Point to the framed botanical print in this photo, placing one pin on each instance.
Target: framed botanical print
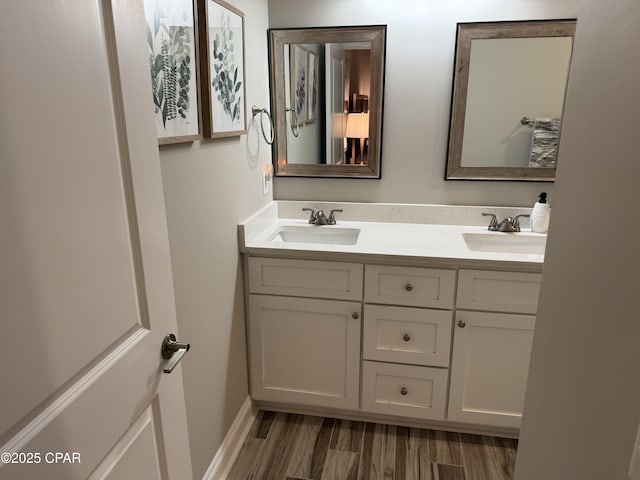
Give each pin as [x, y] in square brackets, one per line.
[312, 88]
[222, 63]
[171, 38]
[299, 74]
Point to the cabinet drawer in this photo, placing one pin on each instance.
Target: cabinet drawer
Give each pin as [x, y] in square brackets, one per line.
[417, 287]
[498, 291]
[407, 335]
[405, 390]
[301, 278]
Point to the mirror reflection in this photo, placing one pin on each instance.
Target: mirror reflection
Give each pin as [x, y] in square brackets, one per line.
[328, 103]
[327, 100]
[509, 87]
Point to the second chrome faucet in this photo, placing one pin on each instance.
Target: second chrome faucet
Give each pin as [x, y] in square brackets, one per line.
[319, 218]
[508, 224]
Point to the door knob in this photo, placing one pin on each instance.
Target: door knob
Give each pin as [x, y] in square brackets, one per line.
[408, 287]
[171, 347]
[462, 323]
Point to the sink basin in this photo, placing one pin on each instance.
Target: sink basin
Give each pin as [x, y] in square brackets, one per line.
[326, 235]
[505, 242]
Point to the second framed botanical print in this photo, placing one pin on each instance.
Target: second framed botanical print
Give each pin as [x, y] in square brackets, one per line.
[222, 64]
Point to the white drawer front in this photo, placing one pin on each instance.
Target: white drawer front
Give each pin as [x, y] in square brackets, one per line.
[418, 287]
[404, 390]
[407, 335]
[302, 278]
[498, 291]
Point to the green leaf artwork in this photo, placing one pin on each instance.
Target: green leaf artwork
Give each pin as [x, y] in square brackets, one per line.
[225, 82]
[169, 62]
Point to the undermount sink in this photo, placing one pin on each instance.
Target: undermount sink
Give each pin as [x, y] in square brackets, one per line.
[505, 242]
[326, 235]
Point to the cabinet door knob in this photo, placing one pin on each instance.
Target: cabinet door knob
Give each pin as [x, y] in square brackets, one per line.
[406, 337]
[403, 391]
[462, 323]
[408, 287]
[355, 315]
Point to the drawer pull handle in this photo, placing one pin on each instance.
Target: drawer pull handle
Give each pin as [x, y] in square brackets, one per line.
[403, 391]
[355, 315]
[408, 287]
[406, 337]
[462, 323]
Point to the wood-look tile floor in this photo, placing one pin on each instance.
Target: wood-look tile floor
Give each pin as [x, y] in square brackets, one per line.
[284, 446]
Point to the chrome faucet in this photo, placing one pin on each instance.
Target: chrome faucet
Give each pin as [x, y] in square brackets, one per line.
[319, 218]
[508, 224]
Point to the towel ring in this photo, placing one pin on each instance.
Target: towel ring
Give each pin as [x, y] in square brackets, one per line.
[263, 111]
[295, 130]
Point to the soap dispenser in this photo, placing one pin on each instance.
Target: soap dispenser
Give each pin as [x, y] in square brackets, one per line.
[540, 215]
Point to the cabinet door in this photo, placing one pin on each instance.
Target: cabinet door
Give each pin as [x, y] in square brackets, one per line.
[489, 369]
[305, 351]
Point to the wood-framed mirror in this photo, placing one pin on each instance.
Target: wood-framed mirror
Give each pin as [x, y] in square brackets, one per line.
[327, 89]
[508, 95]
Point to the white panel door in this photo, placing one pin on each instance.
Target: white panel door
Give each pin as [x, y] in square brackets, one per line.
[85, 285]
[489, 368]
[336, 119]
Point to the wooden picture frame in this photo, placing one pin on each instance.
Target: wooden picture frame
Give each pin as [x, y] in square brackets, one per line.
[172, 38]
[222, 64]
[312, 87]
[467, 33]
[281, 41]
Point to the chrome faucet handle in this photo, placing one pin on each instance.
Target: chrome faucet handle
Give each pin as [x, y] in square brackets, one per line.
[516, 221]
[312, 217]
[493, 224]
[321, 218]
[332, 217]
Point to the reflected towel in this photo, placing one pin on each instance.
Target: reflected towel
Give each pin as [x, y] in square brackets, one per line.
[544, 142]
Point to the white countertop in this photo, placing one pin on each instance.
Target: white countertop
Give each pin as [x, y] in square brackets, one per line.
[385, 242]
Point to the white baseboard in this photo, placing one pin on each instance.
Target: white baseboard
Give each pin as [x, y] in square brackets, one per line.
[232, 443]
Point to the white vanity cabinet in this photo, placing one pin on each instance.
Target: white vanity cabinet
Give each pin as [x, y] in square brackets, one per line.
[450, 345]
[491, 348]
[305, 350]
[406, 349]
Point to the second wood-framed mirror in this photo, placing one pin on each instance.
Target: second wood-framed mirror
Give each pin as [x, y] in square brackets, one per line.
[327, 88]
[508, 95]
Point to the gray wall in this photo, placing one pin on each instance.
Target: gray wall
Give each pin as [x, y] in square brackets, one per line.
[209, 187]
[420, 50]
[583, 398]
